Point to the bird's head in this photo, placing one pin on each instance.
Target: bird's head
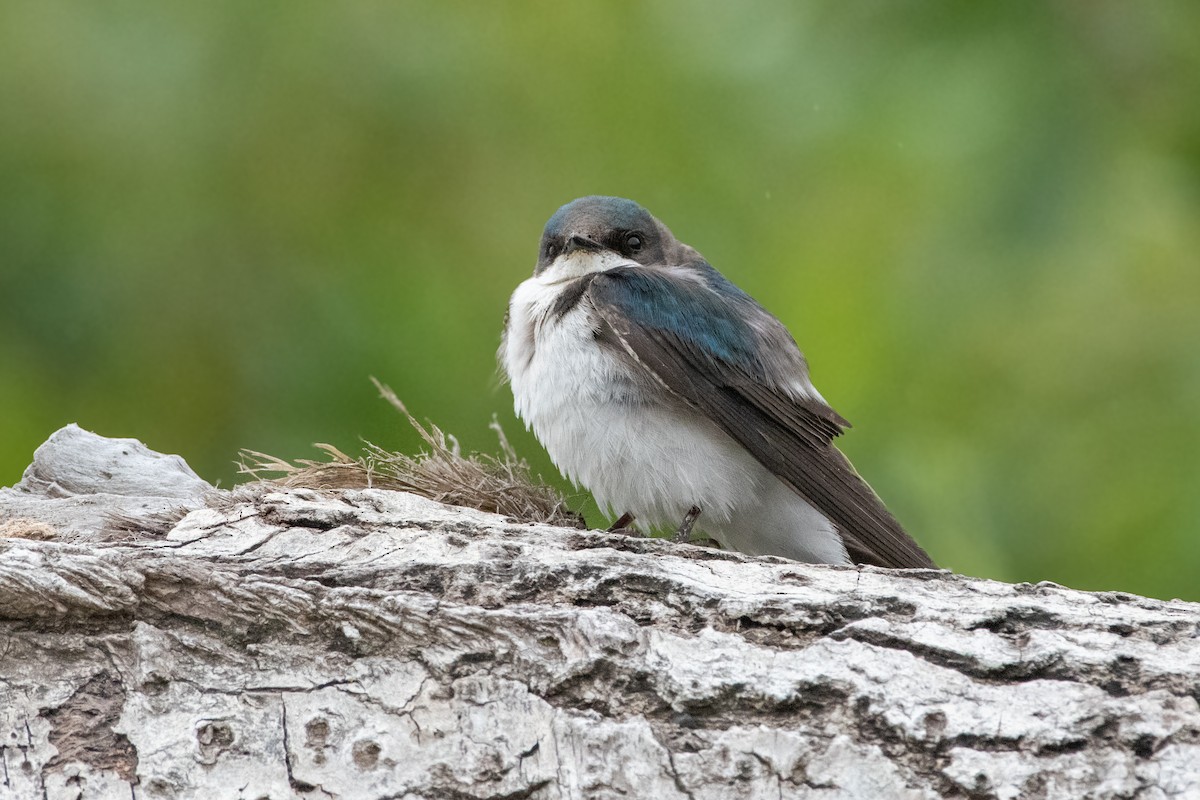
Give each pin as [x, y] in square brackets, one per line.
[595, 233]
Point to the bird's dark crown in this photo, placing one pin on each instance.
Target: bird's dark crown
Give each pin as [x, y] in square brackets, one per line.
[597, 213]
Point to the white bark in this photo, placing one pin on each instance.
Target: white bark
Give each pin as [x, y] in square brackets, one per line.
[373, 644]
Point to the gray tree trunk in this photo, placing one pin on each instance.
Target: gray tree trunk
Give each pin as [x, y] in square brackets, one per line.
[374, 644]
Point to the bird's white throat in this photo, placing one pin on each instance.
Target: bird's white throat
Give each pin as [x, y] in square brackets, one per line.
[570, 266]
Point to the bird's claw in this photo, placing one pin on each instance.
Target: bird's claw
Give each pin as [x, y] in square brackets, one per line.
[624, 524]
[685, 528]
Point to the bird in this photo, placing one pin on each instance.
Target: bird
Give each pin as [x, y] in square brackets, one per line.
[674, 397]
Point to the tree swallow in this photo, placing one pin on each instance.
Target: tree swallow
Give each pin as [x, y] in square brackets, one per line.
[673, 396]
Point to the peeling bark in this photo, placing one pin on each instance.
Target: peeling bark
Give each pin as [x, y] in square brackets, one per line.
[81, 729]
[161, 639]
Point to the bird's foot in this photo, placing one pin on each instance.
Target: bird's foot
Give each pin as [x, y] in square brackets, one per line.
[685, 528]
[624, 524]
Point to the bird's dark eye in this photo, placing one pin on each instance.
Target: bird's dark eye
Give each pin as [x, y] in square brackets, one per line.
[633, 242]
[549, 249]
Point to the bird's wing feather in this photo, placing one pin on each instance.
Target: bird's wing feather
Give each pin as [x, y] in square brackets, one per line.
[696, 342]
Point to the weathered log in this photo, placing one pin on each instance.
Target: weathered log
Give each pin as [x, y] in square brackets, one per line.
[162, 639]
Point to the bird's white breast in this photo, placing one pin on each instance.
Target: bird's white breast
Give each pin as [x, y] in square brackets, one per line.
[597, 425]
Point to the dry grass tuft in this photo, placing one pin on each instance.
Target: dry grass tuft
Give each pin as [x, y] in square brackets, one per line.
[121, 527]
[499, 484]
[26, 528]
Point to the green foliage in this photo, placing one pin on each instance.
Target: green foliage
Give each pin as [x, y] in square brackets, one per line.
[980, 220]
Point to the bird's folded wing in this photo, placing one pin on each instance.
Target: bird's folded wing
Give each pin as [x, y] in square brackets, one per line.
[790, 435]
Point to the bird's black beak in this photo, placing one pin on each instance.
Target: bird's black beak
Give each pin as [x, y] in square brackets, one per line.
[577, 242]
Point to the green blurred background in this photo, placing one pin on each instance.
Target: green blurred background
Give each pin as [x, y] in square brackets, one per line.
[980, 220]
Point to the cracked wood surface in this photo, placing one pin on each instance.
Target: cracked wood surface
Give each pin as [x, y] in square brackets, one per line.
[262, 643]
